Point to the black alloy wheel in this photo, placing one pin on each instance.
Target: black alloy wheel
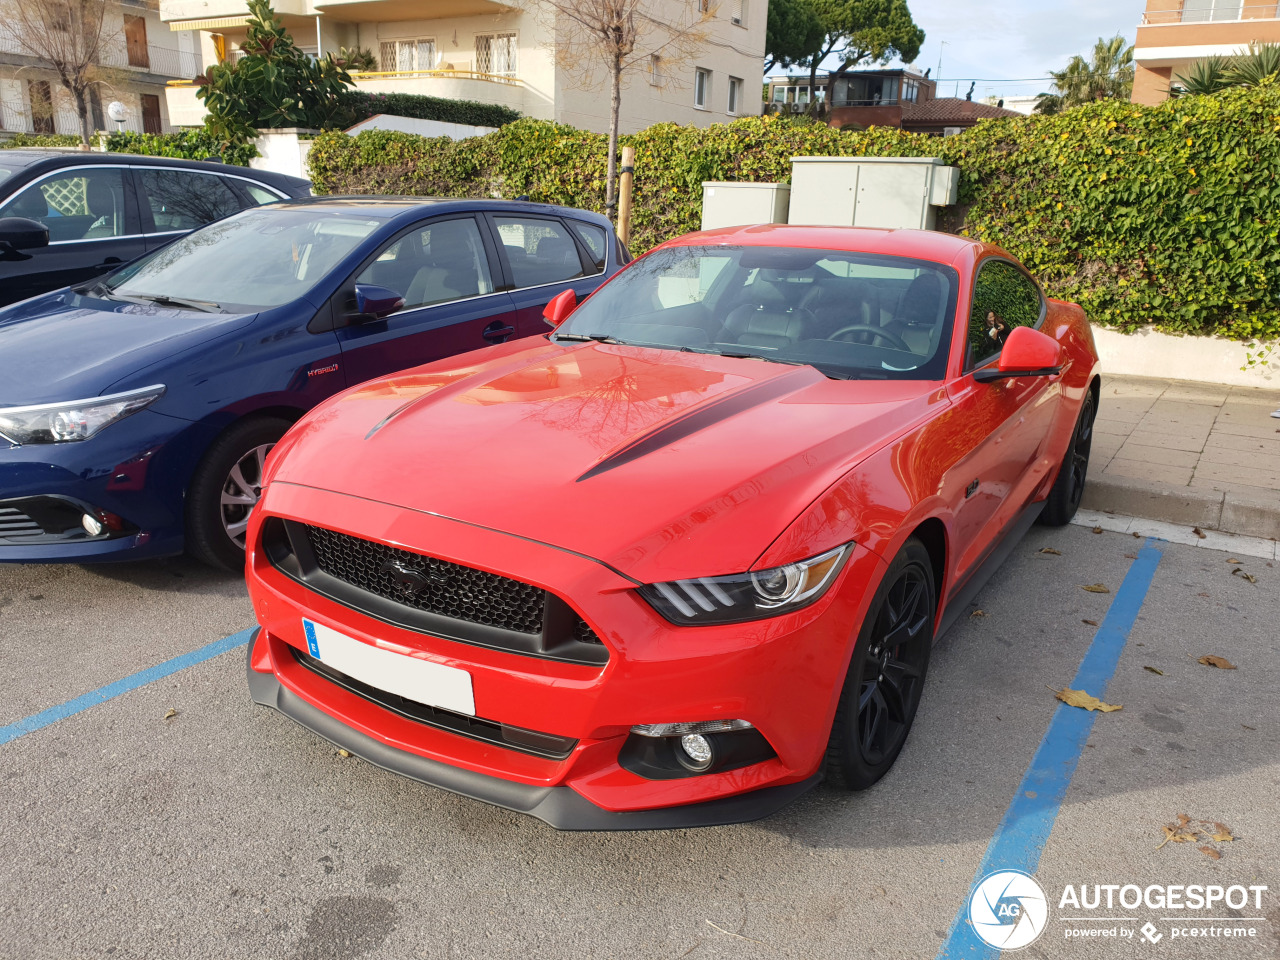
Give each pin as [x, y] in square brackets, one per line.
[1068, 489]
[886, 676]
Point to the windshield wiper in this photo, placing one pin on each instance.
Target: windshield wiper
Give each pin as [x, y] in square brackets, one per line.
[584, 337]
[164, 300]
[759, 356]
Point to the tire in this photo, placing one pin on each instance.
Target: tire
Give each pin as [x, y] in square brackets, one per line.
[226, 486]
[885, 679]
[1068, 488]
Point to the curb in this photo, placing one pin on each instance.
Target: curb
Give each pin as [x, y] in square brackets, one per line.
[1207, 509]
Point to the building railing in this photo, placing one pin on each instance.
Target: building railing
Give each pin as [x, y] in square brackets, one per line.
[149, 59]
[1212, 11]
[18, 119]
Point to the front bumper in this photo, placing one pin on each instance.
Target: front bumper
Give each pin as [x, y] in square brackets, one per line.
[136, 469]
[561, 807]
[783, 675]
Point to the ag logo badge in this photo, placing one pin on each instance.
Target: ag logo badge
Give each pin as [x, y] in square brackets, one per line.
[1008, 910]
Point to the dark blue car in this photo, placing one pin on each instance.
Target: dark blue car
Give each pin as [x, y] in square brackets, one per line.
[136, 410]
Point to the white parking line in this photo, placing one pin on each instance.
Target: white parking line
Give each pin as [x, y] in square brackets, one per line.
[1178, 533]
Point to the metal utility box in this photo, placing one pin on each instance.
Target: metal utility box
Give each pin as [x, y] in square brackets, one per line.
[899, 192]
[742, 204]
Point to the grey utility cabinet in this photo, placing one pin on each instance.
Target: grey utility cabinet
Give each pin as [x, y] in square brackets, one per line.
[902, 192]
[741, 204]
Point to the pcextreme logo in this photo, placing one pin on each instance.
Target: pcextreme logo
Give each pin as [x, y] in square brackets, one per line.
[1008, 910]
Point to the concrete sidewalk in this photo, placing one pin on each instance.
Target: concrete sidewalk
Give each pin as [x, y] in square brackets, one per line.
[1198, 454]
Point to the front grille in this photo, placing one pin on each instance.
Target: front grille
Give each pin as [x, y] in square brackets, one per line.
[513, 738]
[430, 595]
[451, 590]
[15, 523]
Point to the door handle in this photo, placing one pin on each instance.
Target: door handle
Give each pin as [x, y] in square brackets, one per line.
[496, 332]
[108, 263]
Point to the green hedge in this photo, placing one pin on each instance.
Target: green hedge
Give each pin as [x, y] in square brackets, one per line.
[19, 140]
[186, 145]
[1167, 215]
[357, 105]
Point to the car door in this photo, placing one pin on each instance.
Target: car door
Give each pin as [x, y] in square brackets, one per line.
[1008, 420]
[446, 272]
[173, 201]
[92, 216]
[541, 257]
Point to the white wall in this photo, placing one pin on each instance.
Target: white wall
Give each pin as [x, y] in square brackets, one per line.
[422, 128]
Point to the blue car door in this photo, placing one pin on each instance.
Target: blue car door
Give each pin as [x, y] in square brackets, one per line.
[446, 271]
[542, 258]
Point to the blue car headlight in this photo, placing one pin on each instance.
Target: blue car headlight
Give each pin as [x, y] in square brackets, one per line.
[73, 419]
[746, 596]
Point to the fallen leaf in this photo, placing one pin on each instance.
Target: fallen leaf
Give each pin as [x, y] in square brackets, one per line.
[343, 753]
[1222, 663]
[1222, 834]
[1056, 553]
[1233, 560]
[1237, 572]
[1210, 852]
[1201, 594]
[1097, 529]
[978, 613]
[1247, 727]
[1092, 623]
[170, 713]
[1137, 535]
[1131, 556]
[1078, 698]
[1095, 588]
[1176, 835]
[1198, 532]
[1154, 670]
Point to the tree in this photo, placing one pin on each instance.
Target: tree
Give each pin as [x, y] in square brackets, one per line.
[1261, 65]
[1106, 75]
[792, 33]
[69, 36]
[624, 37]
[863, 31]
[273, 85]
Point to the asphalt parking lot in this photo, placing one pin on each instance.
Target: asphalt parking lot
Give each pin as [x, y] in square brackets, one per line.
[225, 830]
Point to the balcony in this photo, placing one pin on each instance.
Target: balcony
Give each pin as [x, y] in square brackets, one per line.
[1212, 11]
[383, 11]
[199, 10]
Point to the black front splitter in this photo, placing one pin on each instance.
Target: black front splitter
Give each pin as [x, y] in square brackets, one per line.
[562, 807]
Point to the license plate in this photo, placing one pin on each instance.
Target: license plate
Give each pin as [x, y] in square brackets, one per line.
[422, 681]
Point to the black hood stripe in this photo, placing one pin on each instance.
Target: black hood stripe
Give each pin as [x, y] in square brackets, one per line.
[703, 416]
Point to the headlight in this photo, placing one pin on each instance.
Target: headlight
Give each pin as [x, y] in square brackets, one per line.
[74, 419]
[747, 596]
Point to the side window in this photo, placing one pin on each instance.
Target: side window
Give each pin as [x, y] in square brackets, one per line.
[539, 251]
[1003, 298]
[259, 194]
[596, 240]
[184, 199]
[79, 205]
[443, 261]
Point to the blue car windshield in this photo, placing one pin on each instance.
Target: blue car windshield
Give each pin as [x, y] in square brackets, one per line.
[850, 315]
[260, 258]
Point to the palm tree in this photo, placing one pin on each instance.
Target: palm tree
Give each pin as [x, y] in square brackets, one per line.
[1260, 65]
[1206, 76]
[1107, 74]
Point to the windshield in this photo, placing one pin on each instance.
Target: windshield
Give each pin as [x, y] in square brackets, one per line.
[850, 315]
[260, 258]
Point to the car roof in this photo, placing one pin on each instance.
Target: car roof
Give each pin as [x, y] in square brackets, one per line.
[918, 244]
[39, 160]
[395, 206]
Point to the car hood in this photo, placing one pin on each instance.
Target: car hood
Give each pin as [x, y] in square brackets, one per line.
[64, 347]
[660, 463]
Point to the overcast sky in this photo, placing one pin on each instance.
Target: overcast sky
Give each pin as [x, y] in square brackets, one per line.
[1012, 41]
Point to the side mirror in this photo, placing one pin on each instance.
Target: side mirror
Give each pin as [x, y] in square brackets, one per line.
[374, 302]
[562, 304]
[1026, 353]
[23, 234]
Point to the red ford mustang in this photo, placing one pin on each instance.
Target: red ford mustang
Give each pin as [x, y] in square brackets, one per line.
[686, 555]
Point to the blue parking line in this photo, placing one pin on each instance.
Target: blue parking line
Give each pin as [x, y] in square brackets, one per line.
[1021, 836]
[132, 682]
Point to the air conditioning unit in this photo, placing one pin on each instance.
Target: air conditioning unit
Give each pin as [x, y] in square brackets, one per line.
[798, 107]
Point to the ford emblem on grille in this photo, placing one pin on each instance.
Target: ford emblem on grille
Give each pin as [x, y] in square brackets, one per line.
[410, 580]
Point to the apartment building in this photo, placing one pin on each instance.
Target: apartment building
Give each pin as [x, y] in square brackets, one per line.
[511, 54]
[1174, 34]
[140, 55]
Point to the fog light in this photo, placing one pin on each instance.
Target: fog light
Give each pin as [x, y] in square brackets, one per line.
[695, 752]
[92, 526]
